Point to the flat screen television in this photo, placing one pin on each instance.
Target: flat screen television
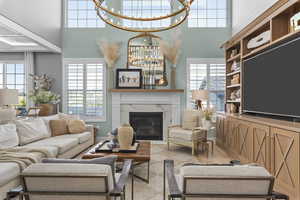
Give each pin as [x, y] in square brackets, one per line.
[271, 81]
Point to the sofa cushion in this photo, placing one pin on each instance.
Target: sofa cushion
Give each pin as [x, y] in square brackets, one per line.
[31, 130]
[223, 186]
[180, 133]
[59, 127]
[63, 144]
[191, 119]
[7, 115]
[61, 177]
[52, 149]
[76, 126]
[8, 172]
[47, 120]
[82, 137]
[8, 136]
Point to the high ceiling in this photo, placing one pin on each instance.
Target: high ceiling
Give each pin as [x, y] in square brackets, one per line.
[15, 38]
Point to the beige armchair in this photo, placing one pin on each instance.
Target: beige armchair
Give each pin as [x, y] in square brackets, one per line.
[190, 133]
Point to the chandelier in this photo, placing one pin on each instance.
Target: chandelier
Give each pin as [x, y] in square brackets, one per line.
[178, 14]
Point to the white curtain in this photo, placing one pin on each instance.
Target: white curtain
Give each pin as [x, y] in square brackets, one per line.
[29, 67]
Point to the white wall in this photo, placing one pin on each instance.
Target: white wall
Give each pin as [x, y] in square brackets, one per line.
[43, 17]
[245, 11]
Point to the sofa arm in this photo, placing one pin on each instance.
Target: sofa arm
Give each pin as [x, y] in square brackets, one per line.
[169, 177]
[90, 128]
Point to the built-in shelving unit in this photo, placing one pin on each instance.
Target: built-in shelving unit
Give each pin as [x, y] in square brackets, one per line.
[277, 22]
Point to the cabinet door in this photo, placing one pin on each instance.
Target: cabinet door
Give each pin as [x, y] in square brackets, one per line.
[245, 141]
[285, 161]
[231, 140]
[261, 153]
[220, 130]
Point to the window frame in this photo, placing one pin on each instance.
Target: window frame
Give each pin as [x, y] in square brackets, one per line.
[85, 61]
[151, 9]
[26, 77]
[207, 61]
[66, 18]
[227, 17]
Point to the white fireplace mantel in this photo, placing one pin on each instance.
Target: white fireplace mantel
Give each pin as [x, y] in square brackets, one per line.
[166, 102]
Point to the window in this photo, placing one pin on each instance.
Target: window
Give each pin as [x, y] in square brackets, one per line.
[208, 13]
[12, 76]
[146, 8]
[207, 74]
[82, 14]
[85, 89]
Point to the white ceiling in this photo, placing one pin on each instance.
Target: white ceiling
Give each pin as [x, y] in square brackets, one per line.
[15, 38]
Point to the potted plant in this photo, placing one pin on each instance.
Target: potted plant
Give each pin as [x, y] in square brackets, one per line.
[45, 100]
[208, 114]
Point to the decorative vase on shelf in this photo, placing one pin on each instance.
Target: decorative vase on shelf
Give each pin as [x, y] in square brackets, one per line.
[125, 136]
[206, 124]
[111, 78]
[173, 77]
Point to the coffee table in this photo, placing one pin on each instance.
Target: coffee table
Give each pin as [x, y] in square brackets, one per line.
[140, 157]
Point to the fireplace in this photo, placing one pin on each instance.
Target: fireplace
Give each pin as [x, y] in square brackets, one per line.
[147, 125]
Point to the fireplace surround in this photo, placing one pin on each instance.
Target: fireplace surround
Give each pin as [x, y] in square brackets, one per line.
[168, 102]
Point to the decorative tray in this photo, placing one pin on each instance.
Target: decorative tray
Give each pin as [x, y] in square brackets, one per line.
[104, 147]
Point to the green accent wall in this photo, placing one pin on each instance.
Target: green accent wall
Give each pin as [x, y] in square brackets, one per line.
[196, 43]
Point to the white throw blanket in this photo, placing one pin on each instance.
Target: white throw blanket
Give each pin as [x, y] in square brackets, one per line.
[24, 156]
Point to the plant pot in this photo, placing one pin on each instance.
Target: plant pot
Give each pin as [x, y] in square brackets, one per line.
[46, 109]
[125, 136]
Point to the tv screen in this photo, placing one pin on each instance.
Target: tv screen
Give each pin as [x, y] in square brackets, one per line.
[271, 81]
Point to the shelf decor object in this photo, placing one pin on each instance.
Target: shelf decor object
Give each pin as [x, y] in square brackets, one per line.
[111, 54]
[120, 20]
[129, 78]
[199, 96]
[171, 50]
[295, 22]
[145, 53]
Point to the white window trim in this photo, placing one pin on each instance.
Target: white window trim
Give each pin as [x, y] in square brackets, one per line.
[67, 61]
[203, 61]
[27, 90]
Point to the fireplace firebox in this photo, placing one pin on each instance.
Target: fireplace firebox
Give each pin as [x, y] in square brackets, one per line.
[147, 125]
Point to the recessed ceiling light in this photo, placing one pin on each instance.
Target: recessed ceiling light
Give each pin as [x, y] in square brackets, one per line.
[12, 42]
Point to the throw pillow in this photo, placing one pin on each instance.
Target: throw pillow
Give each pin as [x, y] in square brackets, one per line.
[58, 127]
[76, 126]
[107, 160]
[7, 115]
[190, 119]
[31, 130]
[67, 117]
[47, 120]
[8, 136]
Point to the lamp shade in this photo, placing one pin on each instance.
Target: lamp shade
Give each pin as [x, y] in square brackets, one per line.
[8, 97]
[200, 95]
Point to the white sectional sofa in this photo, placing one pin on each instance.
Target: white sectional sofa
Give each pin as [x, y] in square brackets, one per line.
[63, 146]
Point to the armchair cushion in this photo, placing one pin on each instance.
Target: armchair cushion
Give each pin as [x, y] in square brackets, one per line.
[191, 119]
[224, 185]
[60, 177]
[181, 134]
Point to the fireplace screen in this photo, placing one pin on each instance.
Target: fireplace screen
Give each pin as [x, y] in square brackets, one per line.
[147, 125]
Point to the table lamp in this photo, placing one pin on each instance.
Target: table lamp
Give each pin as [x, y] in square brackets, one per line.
[8, 97]
[199, 96]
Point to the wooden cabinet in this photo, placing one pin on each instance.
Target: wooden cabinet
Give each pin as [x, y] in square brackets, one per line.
[261, 147]
[245, 141]
[220, 130]
[261, 142]
[285, 161]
